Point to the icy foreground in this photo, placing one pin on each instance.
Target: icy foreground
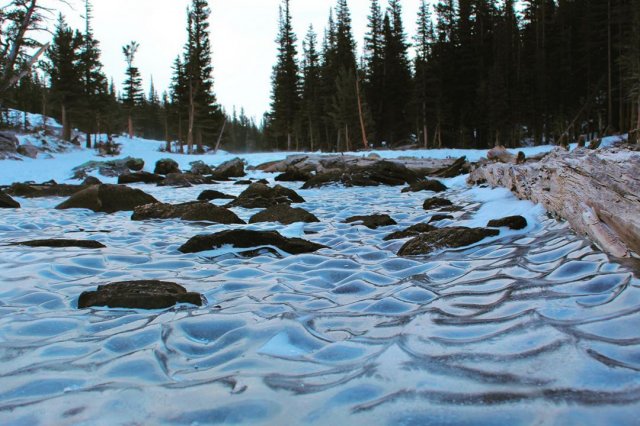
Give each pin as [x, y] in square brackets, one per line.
[532, 327]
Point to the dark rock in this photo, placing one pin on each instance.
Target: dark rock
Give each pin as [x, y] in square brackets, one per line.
[90, 180]
[436, 202]
[453, 237]
[139, 177]
[209, 195]
[229, 169]
[111, 168]
[139, 295]
[243, 182]
[263, 181]
[511, 222]
[241, 238]
[194, 211]
[88, 244]
[379, 173]
[426, 185]
[373, 221]
[8, 145]
[166, 166]
[439, 217]
[184, 180]
[459, 167]
[28, 151]
[294, 175]
[6, 202]
[108, 199]
[284, 214]
[390, 173]
[331, 177]
[411, 231]
[200, 168]
[260, 196]
[135, 164]
[28, 190]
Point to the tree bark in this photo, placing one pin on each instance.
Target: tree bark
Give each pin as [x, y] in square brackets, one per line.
[224, 124]
[130, 125]
[365, 142]
[597, 192]
[192, 113]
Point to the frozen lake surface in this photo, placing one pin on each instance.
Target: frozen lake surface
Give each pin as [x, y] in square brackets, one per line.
[531, 327]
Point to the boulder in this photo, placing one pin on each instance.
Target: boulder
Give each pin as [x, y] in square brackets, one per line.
[8, 145]
[91, 180]
[184, 180]
[6, 202]
[107, 199]
[52, 189]
[243, 182]
[28, 150]
[55, 243]
[166, 166]
[111, 168]
[135, 164]
[379, 173]
[210, 195]
[436, 202]
[426, 185]
[139, 295]
[229, 169]
[294, 175]
[139, 177]
[440, 238]
[194, 211]
[511, 222]
[411, 231]
[460, 167]
[373, 221]
[284, 214]
[261, 196]
[439, 217]
[241, 238]
[200, 168]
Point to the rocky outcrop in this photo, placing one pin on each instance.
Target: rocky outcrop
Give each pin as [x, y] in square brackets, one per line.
[111, 168]
[91, 180]
[511, 222]
[8, 145]
[166, 166]
[442, 238]
[285, 214]
[194, 211]
[229, 169]
[436, 202]
[597, 192]
[261, 196]
[411, 231]
[139, 177]
[426, 185]
[200, 168]
[55, 243]
[372, 221]
[184, 180]
[249, 239]
[49, 189]
[294, 175]
[210, 195]
[6, 202]
[378, 173]
[135, 164]
[439, 217]
[28, 150]
[139, 295]
[107, 199]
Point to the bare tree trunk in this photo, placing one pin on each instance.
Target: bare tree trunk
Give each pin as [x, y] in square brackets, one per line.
[88, 144]
[200, 148]
[311, 134]
[192, 113]
[130, 125]
[288, 141]
[66, 129]
[425, 128]
[180, 138]
[166, 133]
[347, 140]
[338, 143]
[365, 142]
[44, 112]
[224, 124]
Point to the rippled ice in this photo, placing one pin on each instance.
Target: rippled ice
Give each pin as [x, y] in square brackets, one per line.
[532, 327]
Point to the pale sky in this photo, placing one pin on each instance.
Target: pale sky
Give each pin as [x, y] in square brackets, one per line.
[243, 36]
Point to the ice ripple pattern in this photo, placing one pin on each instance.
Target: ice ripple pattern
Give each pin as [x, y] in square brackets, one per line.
[533, 327]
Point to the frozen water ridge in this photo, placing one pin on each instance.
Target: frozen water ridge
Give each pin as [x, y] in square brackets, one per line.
[531, 327]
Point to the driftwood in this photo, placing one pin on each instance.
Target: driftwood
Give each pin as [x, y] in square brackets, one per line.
[597, 192]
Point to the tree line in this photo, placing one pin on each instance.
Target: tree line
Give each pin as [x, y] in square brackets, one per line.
[64, 79]
[482, 72]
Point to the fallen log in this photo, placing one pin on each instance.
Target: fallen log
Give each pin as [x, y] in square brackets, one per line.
[597, 192]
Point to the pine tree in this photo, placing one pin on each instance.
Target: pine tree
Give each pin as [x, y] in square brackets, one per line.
[285, 94]
[375, 65]
[424, 95]
[133, 84]
[311, 89]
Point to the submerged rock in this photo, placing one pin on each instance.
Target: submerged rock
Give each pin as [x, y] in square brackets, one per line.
[166, 166]
[373, 221]
[135, 164]
[139, 177]
[511, 222]
[411, 231]
[209, 195]
[107, 199]
[452, 237]
[91, 180]
[426, 185]
[6, 202]
[56, 243]
[439, 217]
[149, 294]
[200, 168]
[50, 189]
[229, 169]
[379, 173]
[184, 180]
[294, 175]
[285, 214]
[110, 168]
[241, 238]
[260, 196]
[436, 202]
[194, 211]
